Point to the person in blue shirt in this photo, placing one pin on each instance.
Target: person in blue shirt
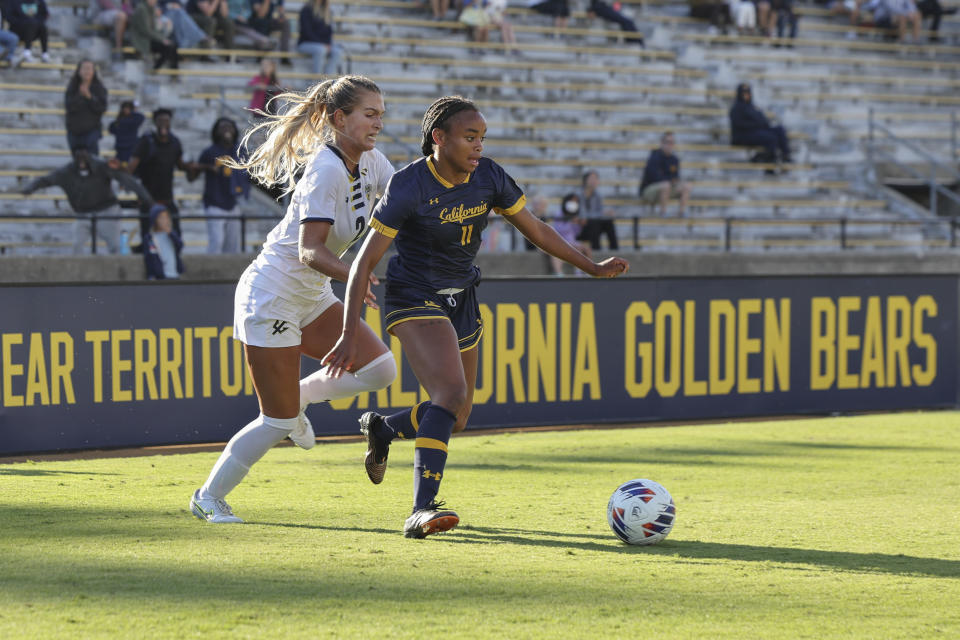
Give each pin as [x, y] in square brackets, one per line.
[661, 177]
[223, 187]
[316, 37]
[435, 209]
[162, 246]
[125, 130]
[749, 127]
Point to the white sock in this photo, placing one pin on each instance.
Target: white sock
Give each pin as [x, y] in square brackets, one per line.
[320, 387]
[244, 449]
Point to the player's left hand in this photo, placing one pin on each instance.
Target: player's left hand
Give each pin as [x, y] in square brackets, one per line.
[370, 299]
[610, 268]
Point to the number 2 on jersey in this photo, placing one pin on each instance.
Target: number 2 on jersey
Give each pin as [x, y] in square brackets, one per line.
[466, 233]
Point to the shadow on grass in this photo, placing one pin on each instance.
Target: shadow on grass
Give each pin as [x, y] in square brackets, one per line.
[4, 471]
[697, 550]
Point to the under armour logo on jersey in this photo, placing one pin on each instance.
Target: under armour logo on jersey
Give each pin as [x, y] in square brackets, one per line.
[434, 200]
[279, 326]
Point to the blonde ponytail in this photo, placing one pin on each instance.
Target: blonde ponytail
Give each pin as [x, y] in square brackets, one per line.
[293, 135]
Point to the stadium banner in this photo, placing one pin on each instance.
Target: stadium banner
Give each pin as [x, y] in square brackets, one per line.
[97, 366]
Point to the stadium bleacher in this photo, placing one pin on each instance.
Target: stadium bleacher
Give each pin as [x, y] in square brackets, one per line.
[577, 98]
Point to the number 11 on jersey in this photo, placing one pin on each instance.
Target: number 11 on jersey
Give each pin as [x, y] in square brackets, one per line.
[466, 232]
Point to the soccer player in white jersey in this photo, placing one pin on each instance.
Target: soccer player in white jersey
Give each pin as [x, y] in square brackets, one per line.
[284, 305]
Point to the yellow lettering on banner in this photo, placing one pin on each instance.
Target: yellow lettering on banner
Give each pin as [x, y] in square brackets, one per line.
[871, 361]
[118, 365]
[776, 344]
[61, 369]
[508, 358]
[483, 390]
[171, 358]
[637, 387]
[399, 397]
[98, 338]
[746, 346]
[205, 335]
[691, 386]
[231, 368]
[898, 339]
[37, 383]
[667, 384]
[188, 362]
[722, 311]
[586, 367]
[145, 364]
[823, 326]
[10, 399]
[846, 342]
[542, 353]
[566, 330]
[925, 306]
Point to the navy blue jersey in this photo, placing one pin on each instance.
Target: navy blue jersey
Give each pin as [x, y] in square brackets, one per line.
[437, 225]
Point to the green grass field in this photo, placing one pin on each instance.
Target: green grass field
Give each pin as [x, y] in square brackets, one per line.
[819, 528]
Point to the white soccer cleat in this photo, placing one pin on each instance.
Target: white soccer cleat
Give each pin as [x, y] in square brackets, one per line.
[215, 510]
[303, 435]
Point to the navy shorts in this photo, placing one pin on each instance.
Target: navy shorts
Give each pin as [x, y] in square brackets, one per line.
[462, 309]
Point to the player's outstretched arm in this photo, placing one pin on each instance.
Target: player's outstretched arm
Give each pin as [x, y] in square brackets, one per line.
[343, 355]
[548, 240]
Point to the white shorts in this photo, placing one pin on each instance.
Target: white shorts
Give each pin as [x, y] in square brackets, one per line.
[264, 319]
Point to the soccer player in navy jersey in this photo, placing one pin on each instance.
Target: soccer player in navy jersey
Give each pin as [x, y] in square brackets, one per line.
[436, 209]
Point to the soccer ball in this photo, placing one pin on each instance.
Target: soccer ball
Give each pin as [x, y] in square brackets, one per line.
[641, 512]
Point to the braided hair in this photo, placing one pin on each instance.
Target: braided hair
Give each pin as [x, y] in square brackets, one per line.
[438, 116]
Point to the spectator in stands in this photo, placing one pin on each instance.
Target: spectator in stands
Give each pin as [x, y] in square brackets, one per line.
[744, 15]
[316, 37]
[268, 16]
[716, 11]
[213, 17]
[126, 130]
[661, 177]
[569, 225]
[849, 8]
[113, 13]
[157, 155]
[265, 86]
[497, 11]
[476, 19]
[598, 221]
[609, 13]
[86, 181]
[934, 10]
[784, 15]
[439, 8]
[8, 45]
[559, 10]
[239, 12]
[749, 127]
[222, 188]
[147, 38]
[28, 19]
[162, 246]
[906, 17]
[186, 32]
[765, 17]
[85, 101]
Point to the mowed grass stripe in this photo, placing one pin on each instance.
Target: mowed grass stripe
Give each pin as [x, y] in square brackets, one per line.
[817, 528]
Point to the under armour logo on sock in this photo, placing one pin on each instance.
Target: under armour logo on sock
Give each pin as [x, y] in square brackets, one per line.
[429, 474]
[279, 326]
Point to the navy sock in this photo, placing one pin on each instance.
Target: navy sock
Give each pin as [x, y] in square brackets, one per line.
[403, 425]
[430, 454]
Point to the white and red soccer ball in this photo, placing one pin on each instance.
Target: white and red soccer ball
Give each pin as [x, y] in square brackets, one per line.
[641, 512]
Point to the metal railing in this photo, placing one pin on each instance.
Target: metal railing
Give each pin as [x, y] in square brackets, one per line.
[878, 133]
[718, 233]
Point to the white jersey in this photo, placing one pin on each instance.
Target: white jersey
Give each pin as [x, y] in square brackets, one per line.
[327, 191]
